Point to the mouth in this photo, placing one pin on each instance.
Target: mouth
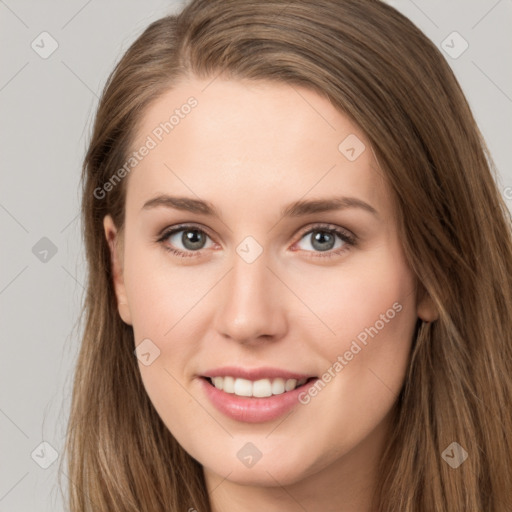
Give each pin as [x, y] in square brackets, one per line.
[261, 388]
[254, 395]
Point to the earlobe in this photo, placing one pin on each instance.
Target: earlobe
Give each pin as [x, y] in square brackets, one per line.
[114, 242]
[426, 309]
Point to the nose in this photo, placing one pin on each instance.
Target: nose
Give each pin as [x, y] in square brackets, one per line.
[252, 303]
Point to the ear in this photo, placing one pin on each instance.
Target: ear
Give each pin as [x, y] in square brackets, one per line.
[425, 308]
[116, 256]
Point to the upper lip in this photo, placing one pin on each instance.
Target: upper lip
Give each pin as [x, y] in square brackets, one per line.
[255, 373]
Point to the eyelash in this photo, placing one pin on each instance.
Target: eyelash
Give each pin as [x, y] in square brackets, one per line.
[349, 240]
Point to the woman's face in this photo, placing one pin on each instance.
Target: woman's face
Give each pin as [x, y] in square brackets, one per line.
[292, 269]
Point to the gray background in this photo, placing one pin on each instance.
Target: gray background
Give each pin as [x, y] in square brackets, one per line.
[46, 110]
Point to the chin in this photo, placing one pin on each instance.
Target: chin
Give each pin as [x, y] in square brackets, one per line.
[285, 466]
[261, 474]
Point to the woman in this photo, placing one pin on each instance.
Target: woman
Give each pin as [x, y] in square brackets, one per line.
[300, 272]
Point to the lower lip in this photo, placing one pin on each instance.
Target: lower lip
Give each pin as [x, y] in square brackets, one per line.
[251, 409]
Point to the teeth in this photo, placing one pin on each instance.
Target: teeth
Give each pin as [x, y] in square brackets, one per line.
[262, 388]
[290, 384]
[259, 388]
[278, 386]
[228, 385]
[243, 387]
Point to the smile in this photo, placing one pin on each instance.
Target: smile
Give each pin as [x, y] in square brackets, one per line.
[259, 389]
[254, 395]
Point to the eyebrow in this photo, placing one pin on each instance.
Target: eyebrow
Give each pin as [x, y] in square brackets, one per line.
[297, 209]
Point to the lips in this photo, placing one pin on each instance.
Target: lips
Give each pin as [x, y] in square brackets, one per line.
[254, 395]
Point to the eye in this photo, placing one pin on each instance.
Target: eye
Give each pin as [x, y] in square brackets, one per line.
[185, 241]
[322, 241]
[327, 239]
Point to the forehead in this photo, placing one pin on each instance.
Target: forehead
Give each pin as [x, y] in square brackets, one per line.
[251, 141]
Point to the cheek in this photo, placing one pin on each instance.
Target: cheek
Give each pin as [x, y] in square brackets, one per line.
[371, 311]
[161, 304]
[370, 298]
[157, 296]
[165, 308]
[373, 316]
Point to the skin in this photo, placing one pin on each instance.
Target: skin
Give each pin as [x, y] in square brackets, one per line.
[251, 148]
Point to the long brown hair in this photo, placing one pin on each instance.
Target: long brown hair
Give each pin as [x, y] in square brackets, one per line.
[376, 67]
